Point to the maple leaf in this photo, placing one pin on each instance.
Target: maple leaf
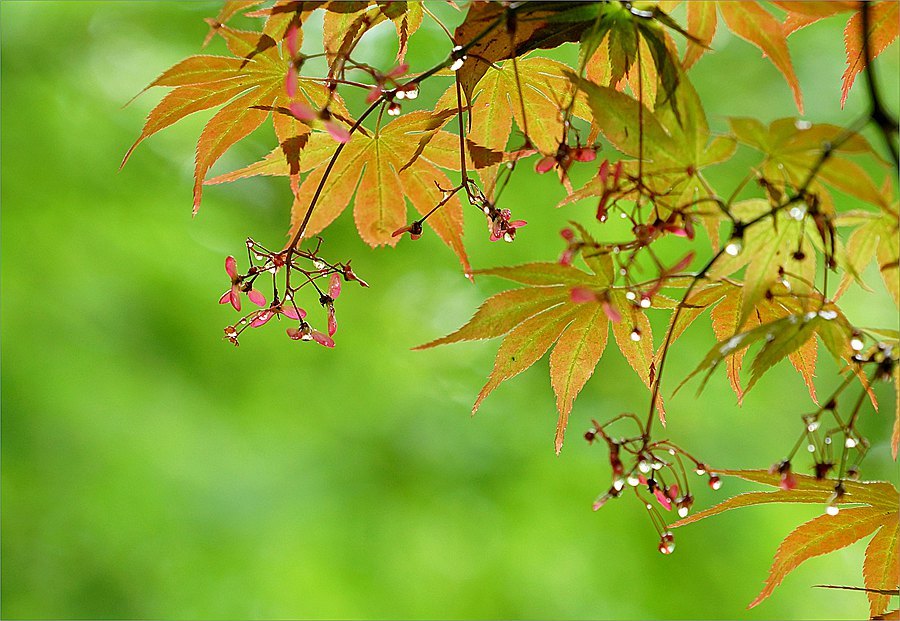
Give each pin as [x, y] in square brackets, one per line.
[492, 32]
[878, 514]
[345, 23]
[751, 22]
[395, 165]
[884, 25]
[875, 237]
[784, 334]
[676, 146]
[792, 148]
[543, 315]
[701, 22]
[374, 162]
[377, 163]
[498, 100]
[630, 45]
[250, 84]
[229, 9]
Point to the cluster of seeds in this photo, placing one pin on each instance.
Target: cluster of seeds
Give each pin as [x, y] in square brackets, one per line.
[655, 472]
[268, 265]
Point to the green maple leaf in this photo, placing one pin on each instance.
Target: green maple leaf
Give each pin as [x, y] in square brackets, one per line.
[543, 315]
[782, 336]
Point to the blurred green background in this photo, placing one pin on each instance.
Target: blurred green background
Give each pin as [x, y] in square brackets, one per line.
[149, 469]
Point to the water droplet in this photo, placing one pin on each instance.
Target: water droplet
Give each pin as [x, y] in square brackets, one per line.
[856, 343]
[616, 250]
[259, 257]
[318, 264]
[797, 213]
[715, 483]
[618, 484]
[509, 165]
[649, 507]
[733, 248]
[457, 64]
[700, 470]
[657, 465]
[812, 426]
[643, 466]
[623, 271]
[632, 480]
[412, 93]
[623, 215]
[683, 511]
[802, 125]
[671, 451]
[850, 443]
[635, 335]
[811, 448]
[832, 510]
[828, 314]
[645, 302]
[507, 237]
[630, 295]
[827, 440]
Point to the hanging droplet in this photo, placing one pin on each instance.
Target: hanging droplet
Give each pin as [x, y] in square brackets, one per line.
[850, 443]
[733, 248]
[811, 448]
[645, 302]
[832, 510]
[856, 344]
[797, 212]
[635, 335]
[630, 295]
